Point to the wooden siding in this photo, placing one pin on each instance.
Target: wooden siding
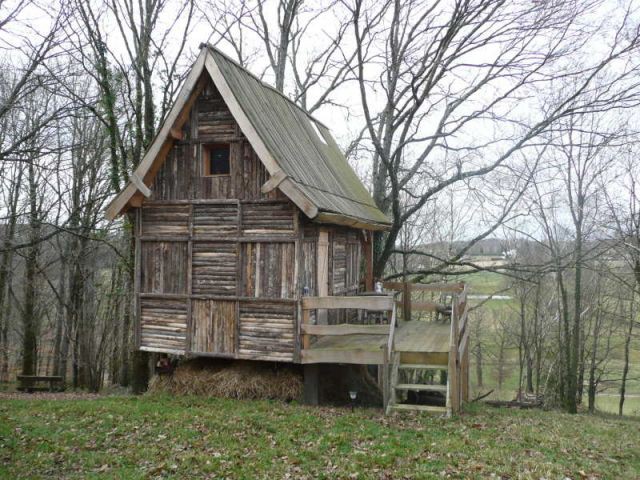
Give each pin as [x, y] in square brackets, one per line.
[214, 326]
[165, 220]
[268, 219]
[163, 324]
[267, 330]
[164, 267]
[344, 268]
[215, 220]
[268, 270]
[214, 268]
[181, 175]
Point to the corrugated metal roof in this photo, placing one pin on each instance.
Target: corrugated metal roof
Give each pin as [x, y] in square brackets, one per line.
[317, 166]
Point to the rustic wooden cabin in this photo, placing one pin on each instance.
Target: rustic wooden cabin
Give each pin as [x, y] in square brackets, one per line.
[243, 205]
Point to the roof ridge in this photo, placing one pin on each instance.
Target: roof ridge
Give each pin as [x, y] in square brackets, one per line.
[262, 82]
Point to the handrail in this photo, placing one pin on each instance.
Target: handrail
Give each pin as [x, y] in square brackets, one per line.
[392, 330]
[373, 303]
[426, 287]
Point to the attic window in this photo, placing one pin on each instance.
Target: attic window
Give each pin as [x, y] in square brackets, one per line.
[215, 159]
[314, 125]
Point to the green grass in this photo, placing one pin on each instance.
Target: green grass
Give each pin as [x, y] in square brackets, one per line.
[162, 437]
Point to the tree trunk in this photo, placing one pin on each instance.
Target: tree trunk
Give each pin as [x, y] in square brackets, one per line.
[627, 348]
[29, 320]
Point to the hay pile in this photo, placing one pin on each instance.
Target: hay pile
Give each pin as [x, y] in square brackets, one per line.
[238, 379]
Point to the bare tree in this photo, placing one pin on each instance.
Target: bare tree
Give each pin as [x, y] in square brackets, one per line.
[305, 43]
[443, 71]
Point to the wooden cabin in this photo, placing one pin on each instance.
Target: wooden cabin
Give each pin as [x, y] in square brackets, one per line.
[243, 205]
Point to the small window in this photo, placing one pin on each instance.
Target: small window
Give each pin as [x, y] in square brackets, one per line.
[215, 159]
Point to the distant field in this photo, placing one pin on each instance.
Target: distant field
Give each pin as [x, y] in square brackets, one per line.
[162, 437]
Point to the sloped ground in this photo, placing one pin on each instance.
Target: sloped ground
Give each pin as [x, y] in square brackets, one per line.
[189, 437]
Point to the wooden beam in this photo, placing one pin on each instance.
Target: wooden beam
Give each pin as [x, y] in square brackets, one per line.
[306, 320]
[162, 350]
[139, 184]
[273, 183]
[353, 222]
[176, 134]
[392, 330]
[463, 345]
[367, 251]
[426, 287]
[345, 329]
[406, 301]
[357, 357]
[322, 272]
[376, 303]
[311, 384]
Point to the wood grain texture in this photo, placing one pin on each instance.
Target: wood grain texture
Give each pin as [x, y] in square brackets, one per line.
[213, 326]
[163, 267]
[267, 329]
[163, 324]
[165, 220]
[268, 270]
[214, 268]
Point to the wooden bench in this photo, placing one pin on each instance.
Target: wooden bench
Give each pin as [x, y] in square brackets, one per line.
[30, 383]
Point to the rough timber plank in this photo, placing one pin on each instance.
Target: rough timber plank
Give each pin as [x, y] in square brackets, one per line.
[423, 366]
[380, 303]
[345, 329]
[406, 407]
[421, 387]
[358, 357]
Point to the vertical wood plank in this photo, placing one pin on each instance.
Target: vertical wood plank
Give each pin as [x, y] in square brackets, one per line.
[137, 232]
[258, 270]
[189, 282]
[367, 250]
[322, 268]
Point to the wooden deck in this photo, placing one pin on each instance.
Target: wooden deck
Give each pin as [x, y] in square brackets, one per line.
[423, 337]
[402, 349]
[414, 336]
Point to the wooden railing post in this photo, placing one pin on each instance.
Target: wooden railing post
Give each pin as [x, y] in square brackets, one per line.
[453, 372]
[385, 379]
[406, 301]
[322, 273]
[306, 317]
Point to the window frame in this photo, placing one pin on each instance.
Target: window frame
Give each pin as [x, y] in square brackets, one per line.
[205, 153]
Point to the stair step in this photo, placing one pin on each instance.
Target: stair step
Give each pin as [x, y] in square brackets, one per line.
[422, 366]
[421, 387]
[420, 408]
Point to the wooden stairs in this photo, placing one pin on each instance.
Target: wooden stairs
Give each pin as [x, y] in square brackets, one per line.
[427, 375]
[396, 401]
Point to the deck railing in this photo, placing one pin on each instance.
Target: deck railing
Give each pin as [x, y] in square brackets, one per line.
[368, 303]
[346, 354]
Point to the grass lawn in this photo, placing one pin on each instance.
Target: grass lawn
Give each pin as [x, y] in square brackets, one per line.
[162, 437]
